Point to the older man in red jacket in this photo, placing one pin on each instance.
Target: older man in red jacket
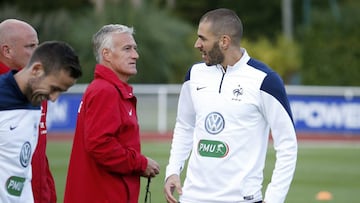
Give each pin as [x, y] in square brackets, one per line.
[106, 161]
[18, 40]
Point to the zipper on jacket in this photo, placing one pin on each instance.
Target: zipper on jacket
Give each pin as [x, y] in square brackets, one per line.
[222, 77]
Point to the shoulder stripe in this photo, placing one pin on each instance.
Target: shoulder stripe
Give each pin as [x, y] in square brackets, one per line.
[187, 76]
[259, 65]
[272, 84]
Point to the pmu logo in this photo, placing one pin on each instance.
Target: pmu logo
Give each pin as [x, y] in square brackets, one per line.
[15, 185]
[214, 123]
[25, 154]
[213, 148]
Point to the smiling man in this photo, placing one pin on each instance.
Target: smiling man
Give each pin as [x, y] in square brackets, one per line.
[227, 107]
[18, 40]
[53, 68]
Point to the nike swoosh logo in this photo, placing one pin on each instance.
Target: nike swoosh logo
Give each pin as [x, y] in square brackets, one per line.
[13, 127]
[199, 88]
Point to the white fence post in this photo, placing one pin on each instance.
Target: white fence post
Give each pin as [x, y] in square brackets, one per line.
[162, 109]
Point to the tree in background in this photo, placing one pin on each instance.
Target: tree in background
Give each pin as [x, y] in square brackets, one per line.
[282, 55]
[325, 49]
[331, 48]
[46, 6]
[263, 37]
[164, 42]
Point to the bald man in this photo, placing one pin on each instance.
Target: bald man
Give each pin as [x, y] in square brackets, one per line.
[18, 41]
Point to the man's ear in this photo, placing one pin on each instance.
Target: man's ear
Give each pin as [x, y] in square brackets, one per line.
[37, 69]
[225, 42]
[5, 50]
[106, 54]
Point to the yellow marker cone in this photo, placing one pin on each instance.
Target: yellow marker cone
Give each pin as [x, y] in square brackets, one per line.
[324, 196]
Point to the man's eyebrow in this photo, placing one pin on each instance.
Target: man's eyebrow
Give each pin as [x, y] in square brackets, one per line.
[30, 45]
[201, 37]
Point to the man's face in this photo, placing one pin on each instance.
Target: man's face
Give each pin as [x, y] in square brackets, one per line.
[22, 47]
[49, 87]
[123, 55]
[208, 44]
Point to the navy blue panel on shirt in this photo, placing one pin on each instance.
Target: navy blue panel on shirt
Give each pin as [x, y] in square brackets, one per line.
[187, 76]
[10, 95]
[272, 84]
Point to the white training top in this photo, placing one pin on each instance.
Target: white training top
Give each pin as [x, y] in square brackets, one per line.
[19, 123]
[225, 119]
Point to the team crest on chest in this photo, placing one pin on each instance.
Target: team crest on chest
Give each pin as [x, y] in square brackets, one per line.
[237, 93]
[214, 123]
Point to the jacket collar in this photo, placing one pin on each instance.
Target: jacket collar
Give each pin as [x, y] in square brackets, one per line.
[3, 68]
[105, 73]
[243, 60]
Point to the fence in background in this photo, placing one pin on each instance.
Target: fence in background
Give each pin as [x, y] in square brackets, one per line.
[323, 110]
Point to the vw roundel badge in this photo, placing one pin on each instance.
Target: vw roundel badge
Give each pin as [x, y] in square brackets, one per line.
[214, 123]
[25, 154]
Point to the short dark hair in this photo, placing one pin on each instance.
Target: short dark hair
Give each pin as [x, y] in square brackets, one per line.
[56, 56]
[224, 21]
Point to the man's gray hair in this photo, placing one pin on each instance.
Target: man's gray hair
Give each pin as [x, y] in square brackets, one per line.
[103, 38]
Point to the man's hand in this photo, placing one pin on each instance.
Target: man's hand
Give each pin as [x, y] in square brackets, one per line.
[172, 183]
[152, 169]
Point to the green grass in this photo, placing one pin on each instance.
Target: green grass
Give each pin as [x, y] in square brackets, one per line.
[334, 168]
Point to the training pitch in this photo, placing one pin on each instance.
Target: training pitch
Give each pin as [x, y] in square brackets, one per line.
[329, 167]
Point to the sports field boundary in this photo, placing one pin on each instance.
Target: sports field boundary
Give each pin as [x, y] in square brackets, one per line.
[166, 137]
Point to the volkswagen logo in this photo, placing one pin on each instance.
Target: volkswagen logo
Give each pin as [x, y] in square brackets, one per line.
[25, 154]
[214, 123]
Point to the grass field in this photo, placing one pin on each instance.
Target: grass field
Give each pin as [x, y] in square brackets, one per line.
[333, 167]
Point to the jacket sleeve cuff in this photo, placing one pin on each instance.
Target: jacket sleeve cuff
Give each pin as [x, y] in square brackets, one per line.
[143, 163]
